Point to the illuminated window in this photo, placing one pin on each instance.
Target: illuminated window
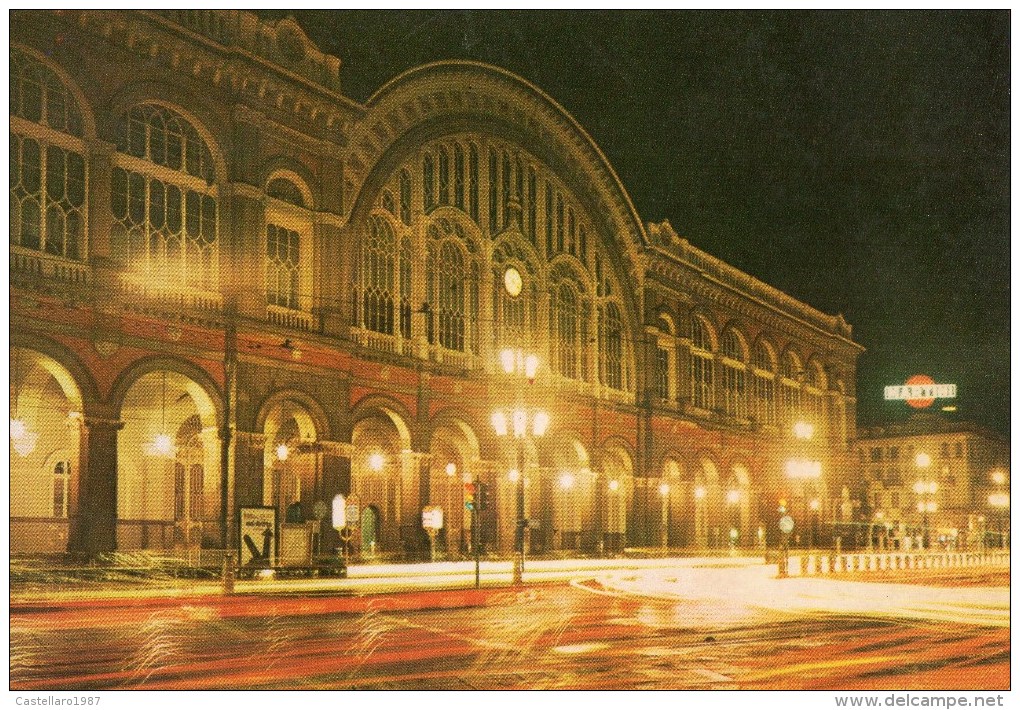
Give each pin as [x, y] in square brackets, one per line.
[662, 373]
[458, 176]
[378, 261]
[702, 364]
[611, 327]
[565, 308]
[283, 259]
[429, 182]
[444, 176]
[451, 297]
[61, 477]
[405, 197]
[764, 385]
[47, 165]
[473, 182]
[733, 375]
[451, 284]
[164, 206]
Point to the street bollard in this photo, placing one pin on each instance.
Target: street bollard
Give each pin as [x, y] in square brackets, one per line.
[228, 572]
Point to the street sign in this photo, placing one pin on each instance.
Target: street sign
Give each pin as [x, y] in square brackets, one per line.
[786, 524]
[339, 512]
[257, 536]
[432, 517]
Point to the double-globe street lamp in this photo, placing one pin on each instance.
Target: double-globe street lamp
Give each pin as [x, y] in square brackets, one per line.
[521, 423]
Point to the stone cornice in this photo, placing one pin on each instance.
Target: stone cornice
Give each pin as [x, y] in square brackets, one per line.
[234, 54]
[674, 259]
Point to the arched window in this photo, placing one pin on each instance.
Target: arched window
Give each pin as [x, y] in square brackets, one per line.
[47, 164]
[283, 264]
[165, 210]
[532, 204]
[61, 477]
[611, 327]
[702, 364]
[451, 297]
[378, 258]
[733, 375]
[444, 176]
[793, 377]
[664, 354]
[286, 191]
[429, 181]
[452, 286]
[473, 182]
[548, 214]
[458, 176]
[405, 197]
[494, 226]
[764, 384]
[814, 385]
[565, 336]
[288, 246]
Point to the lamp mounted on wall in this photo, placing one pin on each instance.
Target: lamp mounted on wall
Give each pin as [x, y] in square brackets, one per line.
[23, 439]
[162, 444]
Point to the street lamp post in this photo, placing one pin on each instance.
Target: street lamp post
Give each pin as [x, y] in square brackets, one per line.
[518, 423]
[999, 502]
[733, 500]
[664, 493]
[925, 489]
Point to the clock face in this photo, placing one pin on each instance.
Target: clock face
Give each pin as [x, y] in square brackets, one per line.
[513, 281]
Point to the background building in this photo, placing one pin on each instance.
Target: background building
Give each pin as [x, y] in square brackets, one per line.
[932, 479]
[233, 286]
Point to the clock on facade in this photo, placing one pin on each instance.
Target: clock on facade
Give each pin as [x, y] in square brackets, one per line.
[512, 281]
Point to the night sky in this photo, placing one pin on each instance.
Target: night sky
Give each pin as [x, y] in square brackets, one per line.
[858, 161]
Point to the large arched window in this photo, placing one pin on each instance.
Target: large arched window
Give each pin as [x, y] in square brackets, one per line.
[611, 346]
[734, 374]
[47, 164]
[452, 286]
[662, 380]
[565, 309]
[764, 365]
[164, 204]
[702, 363]
[793, 377]
[450, 297]
[378, 261]
[288, 246]
[814, 400]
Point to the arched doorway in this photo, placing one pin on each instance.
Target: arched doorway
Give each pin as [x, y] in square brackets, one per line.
[168, 483]
[45, 442]
[385, 477]
[369, 531]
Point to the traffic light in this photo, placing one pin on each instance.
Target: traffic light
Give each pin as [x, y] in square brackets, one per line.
[483, 496]
[782, 505]
[469, 496]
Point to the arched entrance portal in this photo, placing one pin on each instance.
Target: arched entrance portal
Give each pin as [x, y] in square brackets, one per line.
[385, 479]
[369, 531]
[168, 483]
[45, 441]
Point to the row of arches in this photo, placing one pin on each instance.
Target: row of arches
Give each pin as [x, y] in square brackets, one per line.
[170, 491]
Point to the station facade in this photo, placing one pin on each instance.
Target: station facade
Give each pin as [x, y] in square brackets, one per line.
[233, 286]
